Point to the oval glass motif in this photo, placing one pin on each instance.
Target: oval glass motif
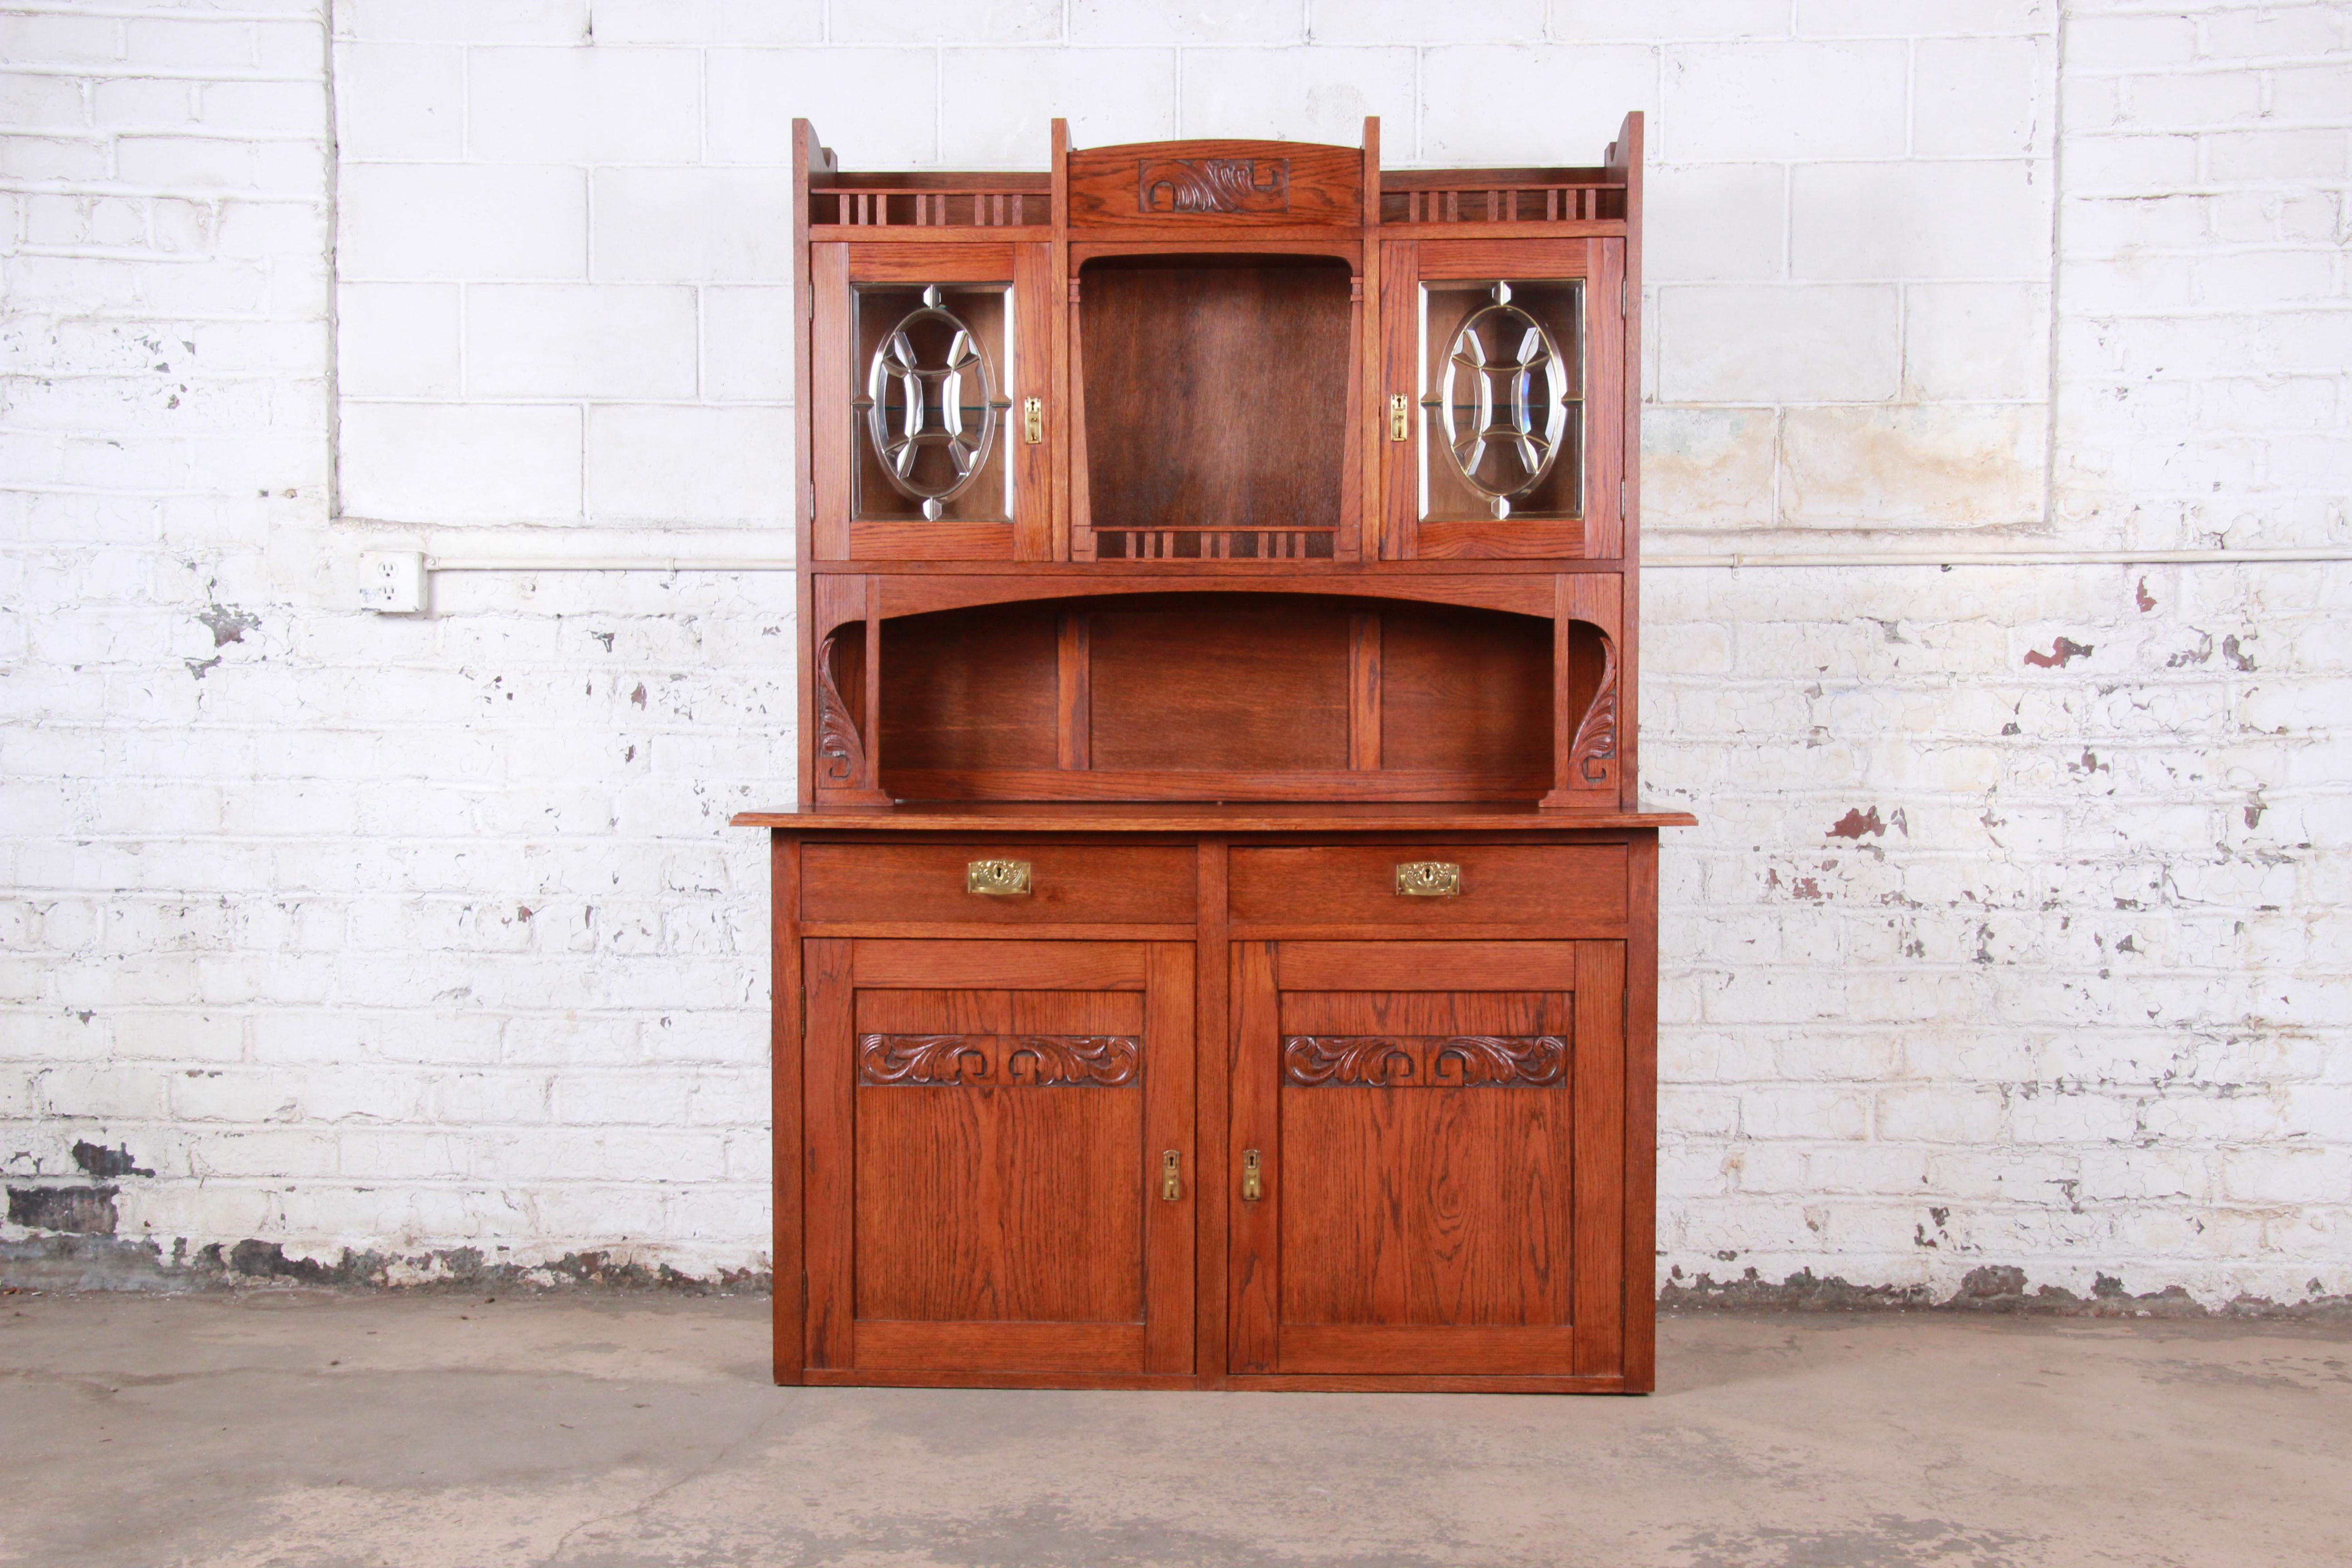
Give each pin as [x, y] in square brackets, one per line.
[1503, 401]
[931, 405]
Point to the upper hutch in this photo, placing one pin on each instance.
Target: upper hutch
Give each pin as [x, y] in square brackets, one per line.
[1216, 944]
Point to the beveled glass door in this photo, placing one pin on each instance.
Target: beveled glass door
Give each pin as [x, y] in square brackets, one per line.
[1503, 377]
[930, 366]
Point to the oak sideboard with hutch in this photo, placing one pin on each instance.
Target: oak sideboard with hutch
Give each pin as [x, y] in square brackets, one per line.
[1216, 943]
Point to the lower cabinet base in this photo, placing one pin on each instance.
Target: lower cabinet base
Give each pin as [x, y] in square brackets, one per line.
[1339, 1112]
[1386, 1382]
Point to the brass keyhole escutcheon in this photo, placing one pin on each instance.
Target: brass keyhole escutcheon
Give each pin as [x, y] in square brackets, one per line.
[1033, 420]
[1253, 1177]
[997, 879]
[1428, 879]
[1171, 1177]
[1400, 418]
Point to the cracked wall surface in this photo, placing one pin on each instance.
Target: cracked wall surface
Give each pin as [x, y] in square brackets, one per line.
[2010, 954]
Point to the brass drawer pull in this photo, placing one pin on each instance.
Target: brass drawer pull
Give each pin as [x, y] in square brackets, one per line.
[1429, 880]
[997, 879]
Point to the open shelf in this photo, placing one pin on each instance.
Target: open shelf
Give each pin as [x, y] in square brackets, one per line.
[1237, 697]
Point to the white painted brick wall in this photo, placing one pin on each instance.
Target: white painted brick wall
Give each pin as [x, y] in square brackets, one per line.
[408, 934]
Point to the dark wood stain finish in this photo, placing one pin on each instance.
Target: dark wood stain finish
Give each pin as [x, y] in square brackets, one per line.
[1211, 1095]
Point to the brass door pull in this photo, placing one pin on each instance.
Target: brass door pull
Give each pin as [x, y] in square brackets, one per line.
[997, 879]
[1171, 1177]
[1429, 880]
[1253, 1177]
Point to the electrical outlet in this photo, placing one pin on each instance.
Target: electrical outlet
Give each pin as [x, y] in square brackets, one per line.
[392, 582]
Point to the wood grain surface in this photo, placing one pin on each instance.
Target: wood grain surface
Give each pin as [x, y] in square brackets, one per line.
[1069, 883]
[1554, 887]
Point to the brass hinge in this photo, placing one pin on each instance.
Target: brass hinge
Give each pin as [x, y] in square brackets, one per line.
[1624, 297]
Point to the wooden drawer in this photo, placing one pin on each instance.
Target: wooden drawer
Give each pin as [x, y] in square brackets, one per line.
[1070, 884]
[1551, 887]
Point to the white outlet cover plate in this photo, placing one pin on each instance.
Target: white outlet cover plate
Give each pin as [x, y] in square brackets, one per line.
[392, 582]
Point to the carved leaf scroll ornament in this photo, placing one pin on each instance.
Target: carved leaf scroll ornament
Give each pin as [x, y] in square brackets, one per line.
[1431, 1061]
[1098, 1061]
[1596, 734]
[840, 755]
[1212, 184]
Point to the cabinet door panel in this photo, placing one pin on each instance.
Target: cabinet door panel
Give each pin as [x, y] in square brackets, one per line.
[923, 360]
[1506, 359]
[986, 1129]
[967, 1195]
[1440, 1135]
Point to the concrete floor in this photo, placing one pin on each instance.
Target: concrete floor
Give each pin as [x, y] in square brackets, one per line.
[300, 1429]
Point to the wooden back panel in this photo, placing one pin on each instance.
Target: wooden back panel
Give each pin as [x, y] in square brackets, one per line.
[1214, 390]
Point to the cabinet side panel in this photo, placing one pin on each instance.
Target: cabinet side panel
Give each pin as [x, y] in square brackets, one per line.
[1641, 1239]
[791, 1283]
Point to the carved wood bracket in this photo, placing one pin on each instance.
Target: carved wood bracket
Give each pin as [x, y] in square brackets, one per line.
[1423, 1061]
[1591, 757]
[840, 752]
[1022, 1061]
